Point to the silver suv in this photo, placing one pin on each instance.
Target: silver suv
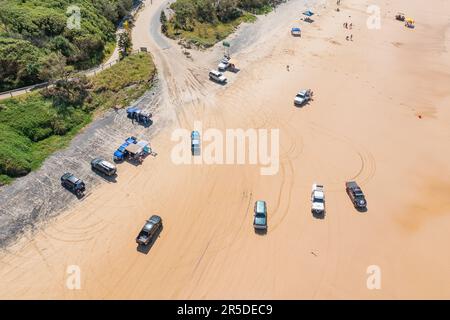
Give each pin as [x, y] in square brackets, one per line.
[217, 76]
[103, 166]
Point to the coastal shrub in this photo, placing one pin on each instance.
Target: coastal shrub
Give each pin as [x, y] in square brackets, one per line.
[33, 126]
[32, 29]
[206, 22]
[15, 158]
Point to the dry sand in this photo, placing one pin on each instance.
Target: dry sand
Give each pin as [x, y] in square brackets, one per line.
[363, 125]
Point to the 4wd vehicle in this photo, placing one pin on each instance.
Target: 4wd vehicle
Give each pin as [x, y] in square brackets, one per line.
[217, 76]
[139, 115]
[317, 199]
[195, 143]
[120, 154]
[103, 166]
[296, 32]
[149, 230]
[260, 218]
[356, 195]
[303, 97]
[224, 64]
[75, 185]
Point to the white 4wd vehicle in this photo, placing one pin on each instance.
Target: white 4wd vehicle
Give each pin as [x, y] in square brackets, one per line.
[224, 64]
[317, 199]
[217, 76]
[303, 97]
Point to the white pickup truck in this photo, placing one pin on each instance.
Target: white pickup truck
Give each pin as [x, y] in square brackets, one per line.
[303, 97]
[317, 199]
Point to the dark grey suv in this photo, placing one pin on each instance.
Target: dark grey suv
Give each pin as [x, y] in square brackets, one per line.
[104, 167]
[72, 183]
[150, 229]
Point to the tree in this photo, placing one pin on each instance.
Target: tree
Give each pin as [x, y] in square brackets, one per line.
[54, 68]
[125, 44]
[227, 10]
[163, 20]
[205, 11]
[184, 14]
[66, 89]
[163, 17]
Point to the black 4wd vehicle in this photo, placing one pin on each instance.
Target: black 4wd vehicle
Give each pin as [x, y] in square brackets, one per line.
[356, 195]
[149, 230]
[70, 182]
[103, 166]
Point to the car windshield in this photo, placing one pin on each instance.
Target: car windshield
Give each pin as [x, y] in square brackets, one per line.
[260, 215]
[300, 95]
[318, 200]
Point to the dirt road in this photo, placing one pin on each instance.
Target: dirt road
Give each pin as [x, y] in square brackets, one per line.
[363, 124]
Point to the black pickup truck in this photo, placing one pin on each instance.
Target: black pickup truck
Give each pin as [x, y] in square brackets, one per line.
[75, 185]
[356, 195]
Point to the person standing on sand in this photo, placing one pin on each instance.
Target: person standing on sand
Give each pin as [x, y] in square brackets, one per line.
[351, 37]
[287, 67]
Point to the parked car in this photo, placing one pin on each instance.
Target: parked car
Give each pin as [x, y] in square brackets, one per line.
[121, 153]
[72, 183]
[150, 229]
[195, 143]
[103, 166]
[303, 97]
[139, 115]
[260, 217]
[317, 199]
[356, 195]
[224, 64]
[217, 76]
[296, 32]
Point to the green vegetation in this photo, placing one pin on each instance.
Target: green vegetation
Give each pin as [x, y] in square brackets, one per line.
[38, 124]
[206, 22]
[32, 29]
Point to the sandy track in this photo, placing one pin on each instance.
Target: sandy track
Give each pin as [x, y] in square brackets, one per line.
[363, 124]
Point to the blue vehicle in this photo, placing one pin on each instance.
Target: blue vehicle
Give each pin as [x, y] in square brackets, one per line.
[195, 143]
[139, 115]
[308, 14]
[296, 32]
[260, 216]
[121, 153]
[131, 140]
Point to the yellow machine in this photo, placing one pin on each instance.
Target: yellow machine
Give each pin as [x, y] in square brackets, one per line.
[409, 22]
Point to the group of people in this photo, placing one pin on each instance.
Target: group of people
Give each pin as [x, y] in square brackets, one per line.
[348, 26]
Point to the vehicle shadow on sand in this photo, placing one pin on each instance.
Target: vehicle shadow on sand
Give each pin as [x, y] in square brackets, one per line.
[79, 196]
[235, 70]
[223, 84]
[110, 179]
[306, 104]
[320, 216]
[146, 249]
[261, 232]
[144, 124]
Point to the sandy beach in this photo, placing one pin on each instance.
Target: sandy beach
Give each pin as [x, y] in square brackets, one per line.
[381, 116]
